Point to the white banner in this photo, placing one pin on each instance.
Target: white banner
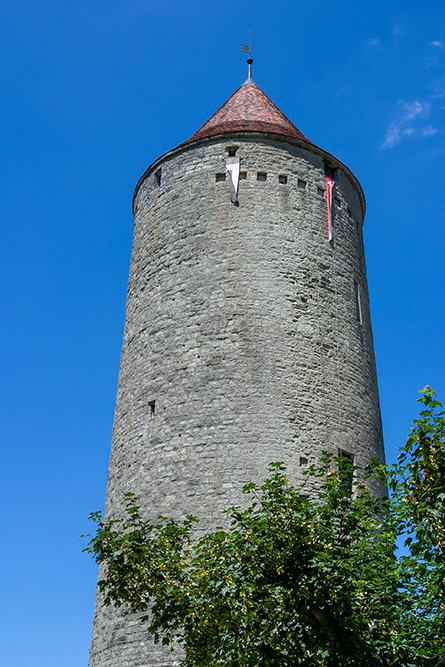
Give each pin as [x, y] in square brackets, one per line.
[232, 166]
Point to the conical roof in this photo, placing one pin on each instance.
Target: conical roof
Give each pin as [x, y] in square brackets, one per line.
[248, 110]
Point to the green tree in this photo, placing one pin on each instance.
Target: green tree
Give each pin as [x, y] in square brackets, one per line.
[295, 580]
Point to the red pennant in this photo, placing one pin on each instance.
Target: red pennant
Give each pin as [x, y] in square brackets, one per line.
[329, 187]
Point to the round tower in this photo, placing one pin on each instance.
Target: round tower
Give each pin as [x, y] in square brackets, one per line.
[247, 334]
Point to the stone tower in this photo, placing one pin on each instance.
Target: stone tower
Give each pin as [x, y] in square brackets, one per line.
[247, 334]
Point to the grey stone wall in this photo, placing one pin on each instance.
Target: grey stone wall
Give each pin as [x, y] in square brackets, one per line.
[242, 328]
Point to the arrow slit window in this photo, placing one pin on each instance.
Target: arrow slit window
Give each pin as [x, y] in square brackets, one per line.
[358, 303]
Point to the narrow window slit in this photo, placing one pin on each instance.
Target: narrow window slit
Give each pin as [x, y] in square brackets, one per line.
[158, 176]
[303, 461]
[358, 304]
[243, 175]
[301, 184]
[151, 407]
[282, 178]
[320, 191]
[346, 471]
[261, 176]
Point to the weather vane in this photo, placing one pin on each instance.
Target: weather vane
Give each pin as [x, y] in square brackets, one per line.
[247, 48]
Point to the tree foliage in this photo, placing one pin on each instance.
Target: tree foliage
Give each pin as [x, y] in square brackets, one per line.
[297, 580]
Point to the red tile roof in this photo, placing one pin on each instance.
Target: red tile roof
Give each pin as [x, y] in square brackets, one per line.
[248, 110]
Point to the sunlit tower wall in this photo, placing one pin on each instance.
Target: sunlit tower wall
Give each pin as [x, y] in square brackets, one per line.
[247, 334]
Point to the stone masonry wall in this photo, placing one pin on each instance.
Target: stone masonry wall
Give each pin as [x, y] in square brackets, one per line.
[243, 343]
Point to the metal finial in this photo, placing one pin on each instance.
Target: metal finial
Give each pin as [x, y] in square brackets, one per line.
[249, 62]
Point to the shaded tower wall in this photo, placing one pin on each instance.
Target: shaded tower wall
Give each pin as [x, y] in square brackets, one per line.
[247, 339]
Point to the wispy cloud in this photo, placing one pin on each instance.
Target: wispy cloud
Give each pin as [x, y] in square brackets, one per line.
[374, 41]
[414, 117]
[429, 130]
[438, 87]
[404, 127]
[414, 109]
[421, 117]
[393, 136]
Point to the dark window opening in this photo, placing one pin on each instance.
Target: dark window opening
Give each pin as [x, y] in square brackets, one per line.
[220, 177]
[243, 175]
[330, 171]
[282, 178]
[231, 150]
[303, 461]
[158, 176]
[261, 176]
[151, 407]
[301, 184]
[337, 201]
[346, 471]
[320, 191]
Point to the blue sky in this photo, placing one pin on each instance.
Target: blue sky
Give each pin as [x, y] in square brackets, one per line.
[92, 93]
